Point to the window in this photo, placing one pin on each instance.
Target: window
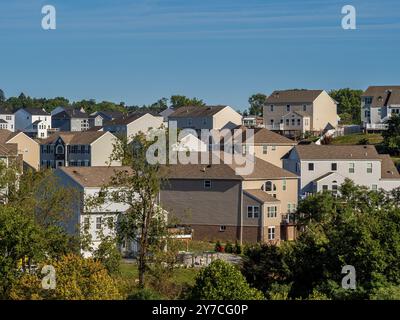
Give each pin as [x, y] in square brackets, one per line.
[351, 167]
[368, 100]
[369, 167]
[287, 122]
[204, 121]
[253, 211]
[324, 187]
[273, 148]
[293, 122]
[298, 122]
[271, 108]
[268, 186]
[98, 223]
[243, 149]
[222, 228]
[59, 149]
[284, 184]
[265, 149]
[333, 166]
[207, 184]
[374, 187]
[291, 207]
[334, 189]
[86, 222]
[311, 167]
[304, 107]
[288, 107]
[271, 212]
[271, 233]
[190, 122]
[306, 121]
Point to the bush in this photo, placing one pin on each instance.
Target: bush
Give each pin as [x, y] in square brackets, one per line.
[228, 247]
[238, 248]
[145, 294]
[108, 254]
[222, 281]
[219, 247]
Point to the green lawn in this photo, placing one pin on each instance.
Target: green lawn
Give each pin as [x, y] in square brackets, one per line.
[373, 138]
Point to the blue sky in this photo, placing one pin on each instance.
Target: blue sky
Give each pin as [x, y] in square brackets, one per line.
[219, 50]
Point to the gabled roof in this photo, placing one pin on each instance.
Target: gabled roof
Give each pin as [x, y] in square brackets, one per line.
[69, 138]
[8, 149]
[337, 152]
[223, 171]
[196, 111]
[36, 112]
[383, 95]
[293, 96]
[5, 111]
[260, 195]
[93, 176]
[126, 119]
[388, 169]
[265, 136]
[112, 114]
[70, 114]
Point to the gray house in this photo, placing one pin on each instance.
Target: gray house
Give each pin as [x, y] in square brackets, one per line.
[99, 118]
[71, 120]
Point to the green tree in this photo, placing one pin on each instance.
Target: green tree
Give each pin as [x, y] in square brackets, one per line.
[349, 104]
[2, 96]
[257, 102]
[178, 101]
[223, 281]
[391, 136]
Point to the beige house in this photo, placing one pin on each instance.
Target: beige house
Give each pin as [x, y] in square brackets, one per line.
[78, 149]
[265, 144]
[26, 146]
[132, 124]
[207, 117]
[218, 204]
[296, 112]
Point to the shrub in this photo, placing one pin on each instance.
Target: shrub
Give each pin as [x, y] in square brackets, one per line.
[219, 247]
[238, 248]
[223, 281]
[228, 247]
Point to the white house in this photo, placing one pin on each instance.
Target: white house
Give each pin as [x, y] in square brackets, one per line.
[34, 122]
[188, 141]
[98, 220]
[326, 167]
[7, 120]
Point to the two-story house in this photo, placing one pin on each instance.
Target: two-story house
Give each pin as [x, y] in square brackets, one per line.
[99, 118]
[218, 204]
[295, 112]
[207, 117]
[131, 125]
[27, 147]
[70, 120]
[34, 122]
[378, 103]
[7, 120]
[96, 220]
[325, 167]
[77, 149]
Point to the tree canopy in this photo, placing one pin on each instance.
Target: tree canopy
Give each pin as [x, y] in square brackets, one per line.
[349, 104]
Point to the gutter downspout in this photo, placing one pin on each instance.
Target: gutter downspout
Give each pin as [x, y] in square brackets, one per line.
[241, 214]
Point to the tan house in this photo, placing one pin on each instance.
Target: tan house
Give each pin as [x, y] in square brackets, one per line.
[26, 146]
[295, 112]
[265, 144]
[218, 204]
[207, 117]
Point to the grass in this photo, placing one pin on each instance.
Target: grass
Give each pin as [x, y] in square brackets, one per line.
[373, 138]
[198, 246]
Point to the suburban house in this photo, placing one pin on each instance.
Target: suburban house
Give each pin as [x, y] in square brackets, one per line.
[98, 220]
[207, 117]
[295, 112]
[77, 149]
[7, 120]
[262, 143]
[189, 142]
[9, 157]
[218, 204]
[378, 103]
[325, 167]
[26, 147]
[34, 122]
[166, 113]
[70, 120]
[65, 108]
[99, 118]
[131, 125]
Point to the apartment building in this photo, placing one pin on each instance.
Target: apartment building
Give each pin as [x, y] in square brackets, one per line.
[34, 122]
[295, 112]
[77, 149]
[131, 125]
[218, 204]
[378, 103]
[262, 143]
[7, 120]
[326, 167]
[99, 219]
[207, 117]
[27, 147]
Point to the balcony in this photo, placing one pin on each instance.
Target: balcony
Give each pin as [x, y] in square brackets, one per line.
[275, 126]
